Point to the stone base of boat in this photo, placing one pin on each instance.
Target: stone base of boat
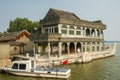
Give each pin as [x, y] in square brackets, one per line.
[79, 58]
[75, 58]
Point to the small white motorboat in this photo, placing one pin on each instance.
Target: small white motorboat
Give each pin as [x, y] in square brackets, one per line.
[29, 68]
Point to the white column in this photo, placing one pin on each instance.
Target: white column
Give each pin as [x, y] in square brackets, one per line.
[75, 43]
[102, 34]
[99, 33]
[82, 47]
[68, 29]
[100, 46]
[85, 32]
[90, 46]
[90, 32]
[68, 46]
[85, 46]
[75, 30]
[60, 48]
[95, 33]
[59, 28]
[81, 31]
[95, 46]
[49, 49]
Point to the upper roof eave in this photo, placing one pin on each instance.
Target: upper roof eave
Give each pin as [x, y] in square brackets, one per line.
[64, 17]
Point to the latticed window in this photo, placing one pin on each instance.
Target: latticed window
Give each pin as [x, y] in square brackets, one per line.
[71, 30]
[78, 32]
[56, 29]
[64, 29]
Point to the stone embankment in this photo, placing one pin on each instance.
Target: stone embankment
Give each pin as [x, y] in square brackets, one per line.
[5, 62]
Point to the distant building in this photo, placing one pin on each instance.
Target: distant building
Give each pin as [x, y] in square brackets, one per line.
[64, 33]
[15, 43]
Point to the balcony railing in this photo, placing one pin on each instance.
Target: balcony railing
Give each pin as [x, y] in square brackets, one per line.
[57, 37]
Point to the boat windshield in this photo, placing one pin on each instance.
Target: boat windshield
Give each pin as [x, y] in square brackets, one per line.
[15, 66]
[22, 66]
[19, 66]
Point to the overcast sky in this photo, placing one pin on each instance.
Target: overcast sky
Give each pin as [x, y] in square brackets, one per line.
[106, 10]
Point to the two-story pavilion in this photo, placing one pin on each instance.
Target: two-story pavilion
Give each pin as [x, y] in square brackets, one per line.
[64, 33]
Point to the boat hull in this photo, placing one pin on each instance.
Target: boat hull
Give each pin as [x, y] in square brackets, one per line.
[38, 74]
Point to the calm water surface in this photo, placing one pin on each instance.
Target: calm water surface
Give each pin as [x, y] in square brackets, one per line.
[101, 69]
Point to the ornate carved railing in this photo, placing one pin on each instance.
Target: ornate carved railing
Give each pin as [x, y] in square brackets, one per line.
[59, 37]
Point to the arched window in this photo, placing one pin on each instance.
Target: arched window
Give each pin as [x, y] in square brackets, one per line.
[15, 48]
[78, 47]
[64, 29]
[78, 28]
[93, 33]
[64, 26]
[101, 33]
[64, 48]
[72, 47]
[71, 30]
[98, 33]
[71, 27]
[88, 32]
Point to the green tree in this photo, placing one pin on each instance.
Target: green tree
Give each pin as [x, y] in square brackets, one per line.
[24, 24]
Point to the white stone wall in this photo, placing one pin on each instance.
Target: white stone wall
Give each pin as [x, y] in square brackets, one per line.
[14, 50]
[4, 50]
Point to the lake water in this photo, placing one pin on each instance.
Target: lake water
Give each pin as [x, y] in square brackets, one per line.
[101, 69]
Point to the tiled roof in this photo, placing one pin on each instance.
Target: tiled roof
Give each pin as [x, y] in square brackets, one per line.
[66, 15]
[55, 16]
[8, 36]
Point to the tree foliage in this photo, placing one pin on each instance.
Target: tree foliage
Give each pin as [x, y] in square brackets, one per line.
[24, 24]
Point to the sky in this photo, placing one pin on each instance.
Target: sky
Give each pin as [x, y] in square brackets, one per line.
[106, 10]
